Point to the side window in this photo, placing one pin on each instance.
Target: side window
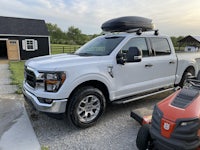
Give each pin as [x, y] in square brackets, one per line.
[140, 43]
[160, 46]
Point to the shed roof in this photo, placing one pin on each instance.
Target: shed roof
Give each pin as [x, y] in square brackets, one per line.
[22, 26]
[190, 39]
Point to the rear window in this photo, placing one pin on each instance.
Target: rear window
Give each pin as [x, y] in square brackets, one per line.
[160, 46]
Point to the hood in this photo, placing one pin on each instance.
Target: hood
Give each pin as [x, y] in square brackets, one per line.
[59, 61]
[173, 107]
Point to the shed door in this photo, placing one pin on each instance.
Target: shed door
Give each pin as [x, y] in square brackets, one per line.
[13, 49]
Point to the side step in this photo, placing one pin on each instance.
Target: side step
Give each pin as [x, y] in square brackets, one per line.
[140, 96]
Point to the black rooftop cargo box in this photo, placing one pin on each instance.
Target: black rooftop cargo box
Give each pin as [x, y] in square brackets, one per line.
[127, 23]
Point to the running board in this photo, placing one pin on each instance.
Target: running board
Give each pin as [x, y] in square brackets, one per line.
[140, 96]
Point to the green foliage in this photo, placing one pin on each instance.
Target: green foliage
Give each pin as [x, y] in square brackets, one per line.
[17, 74]
[57, 35]
[44, 148]
[73, 36]
[178, 46]
[175, 40]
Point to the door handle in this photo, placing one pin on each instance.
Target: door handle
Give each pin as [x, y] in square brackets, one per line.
[148, 65]
[172, 62]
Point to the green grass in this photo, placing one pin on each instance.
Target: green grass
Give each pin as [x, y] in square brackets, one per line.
[44, 148]
[17, 74]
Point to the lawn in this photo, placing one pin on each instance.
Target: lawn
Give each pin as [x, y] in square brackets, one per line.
[17, 74]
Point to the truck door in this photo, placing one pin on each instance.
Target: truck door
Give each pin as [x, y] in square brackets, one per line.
[156, 70]
[135, 77]
[164, 62]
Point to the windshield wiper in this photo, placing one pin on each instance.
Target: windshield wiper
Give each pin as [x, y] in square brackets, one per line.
[84, 54]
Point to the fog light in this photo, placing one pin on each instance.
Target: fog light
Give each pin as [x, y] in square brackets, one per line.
[48, 101]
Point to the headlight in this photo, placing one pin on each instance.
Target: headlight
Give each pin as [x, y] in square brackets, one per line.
[189, 122]
[53, 81]
[50, 81]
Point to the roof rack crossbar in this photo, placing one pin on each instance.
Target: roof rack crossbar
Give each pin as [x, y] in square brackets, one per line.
[138, 31]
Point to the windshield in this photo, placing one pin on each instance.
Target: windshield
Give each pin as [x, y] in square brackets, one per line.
[100, 46]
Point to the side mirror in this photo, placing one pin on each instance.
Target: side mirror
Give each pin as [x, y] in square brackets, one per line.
[121, 58]
[134, 55]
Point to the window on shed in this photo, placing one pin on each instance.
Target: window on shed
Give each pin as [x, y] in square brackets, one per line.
[12, 42]
[29, 44]
[160, 46]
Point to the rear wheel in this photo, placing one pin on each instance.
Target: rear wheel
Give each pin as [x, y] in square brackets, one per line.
[143, 137]
[86, 106]
[185, 76]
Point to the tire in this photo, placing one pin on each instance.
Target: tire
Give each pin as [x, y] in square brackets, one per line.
[186, 74]
[143, 137]
[86, 106]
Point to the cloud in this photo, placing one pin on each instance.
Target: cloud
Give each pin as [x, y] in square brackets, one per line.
[173, 17]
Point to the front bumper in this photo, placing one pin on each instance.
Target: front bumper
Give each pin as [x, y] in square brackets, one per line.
[57, 106]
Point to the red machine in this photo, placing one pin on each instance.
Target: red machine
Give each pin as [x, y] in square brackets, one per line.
[175, 122]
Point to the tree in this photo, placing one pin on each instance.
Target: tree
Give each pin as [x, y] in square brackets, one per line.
[75, 36]
[175, 41]
[57, 35]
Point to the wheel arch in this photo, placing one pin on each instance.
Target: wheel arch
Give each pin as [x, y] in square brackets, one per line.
[94, 83]
[190, 69]
[180, 74]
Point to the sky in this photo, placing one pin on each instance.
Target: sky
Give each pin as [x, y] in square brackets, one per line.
[171, 17]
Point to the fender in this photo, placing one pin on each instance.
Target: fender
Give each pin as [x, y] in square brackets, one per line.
[182, 66]
[93, 76]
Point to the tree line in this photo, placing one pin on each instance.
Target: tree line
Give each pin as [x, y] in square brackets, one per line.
[175, 40]
[74, 36]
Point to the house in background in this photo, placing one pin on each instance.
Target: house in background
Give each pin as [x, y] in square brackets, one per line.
[191, 43]
[21, 39]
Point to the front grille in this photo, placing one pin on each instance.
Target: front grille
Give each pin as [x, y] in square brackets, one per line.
[30, 77]
[156, 119]
[182, 137]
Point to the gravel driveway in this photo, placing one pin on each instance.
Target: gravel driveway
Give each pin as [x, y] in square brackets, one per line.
[115, 131]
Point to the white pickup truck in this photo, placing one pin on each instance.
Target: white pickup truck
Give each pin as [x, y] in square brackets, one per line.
[116, 67]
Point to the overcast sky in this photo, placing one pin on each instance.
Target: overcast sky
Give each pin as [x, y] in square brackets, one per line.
[171, 17]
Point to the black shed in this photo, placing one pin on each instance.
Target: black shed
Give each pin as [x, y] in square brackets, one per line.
[22, 38]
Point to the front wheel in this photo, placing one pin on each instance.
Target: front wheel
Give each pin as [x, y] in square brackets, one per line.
[143, 140]
[86, 106]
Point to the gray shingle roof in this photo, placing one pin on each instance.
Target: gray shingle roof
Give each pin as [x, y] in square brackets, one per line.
[22, 26]
[197, 38]
[190, 39]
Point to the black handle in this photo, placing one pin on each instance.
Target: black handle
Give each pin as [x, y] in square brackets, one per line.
[172, 62]
[148, 65]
